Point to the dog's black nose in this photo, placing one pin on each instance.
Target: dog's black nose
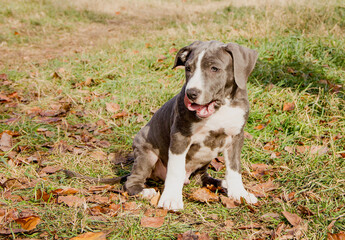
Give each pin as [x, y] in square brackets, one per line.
[193, 93]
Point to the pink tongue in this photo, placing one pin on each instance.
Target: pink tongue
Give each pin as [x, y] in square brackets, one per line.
[201, 110]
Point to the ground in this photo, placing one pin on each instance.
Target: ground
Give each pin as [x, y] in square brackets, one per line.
[78, 79]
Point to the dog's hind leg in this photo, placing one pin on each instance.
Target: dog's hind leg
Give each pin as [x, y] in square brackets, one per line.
[144, 162]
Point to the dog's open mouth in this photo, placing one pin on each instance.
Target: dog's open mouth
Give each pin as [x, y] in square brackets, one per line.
[202, 111]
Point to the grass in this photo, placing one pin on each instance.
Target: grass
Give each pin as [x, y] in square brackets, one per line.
[301, 48]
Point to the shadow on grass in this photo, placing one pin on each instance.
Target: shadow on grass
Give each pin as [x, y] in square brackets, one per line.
[302, 65]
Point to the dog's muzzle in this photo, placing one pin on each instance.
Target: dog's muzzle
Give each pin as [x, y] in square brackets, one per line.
[202, 111]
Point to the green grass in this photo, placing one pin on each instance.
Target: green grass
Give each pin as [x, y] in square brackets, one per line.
[301, 47]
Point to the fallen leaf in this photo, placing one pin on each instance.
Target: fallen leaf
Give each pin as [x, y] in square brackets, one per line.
[304, 210]
[277, 232]
[289, 149]
[99, 155]
[3, 77]
[270, 216]
[248, 136]
[120, 115]
[129, 206]
[319, 150]
[292, 218]
[28, 223]
[51, 169]
[172, 50]
[190, 235]
[217, 165]
[250, 226]
[41, 194]
[98, 199]
[155, 199]
[159, 212]
[229, 202]
[66, 191]
[112, 107]
[261, 189]
[91, 236]
[289, 106]
[71, 201]
[260, 126]
[154, 222]
[6, 142]
[336, 236]
[204, 195]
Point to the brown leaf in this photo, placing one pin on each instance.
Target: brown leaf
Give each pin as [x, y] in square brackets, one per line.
[100, 188]
[217, 165]
[229, 202]
[204, 195]
[28, 223]
[336, 236]
[190, 235]
[154, 222]
[172, 50]
[159, 212]
[289, 149]
[66, 191]
[248, 136]
[261, 189]
[51, 169]
[99, 155]
[129, 206]
[112, 107]
[98, 199]
[250, 226]
[91, 236]
[155, 199]
[319, 150]
[304, 210]
[293, 219]
[41, 194]
[289, 106]
[120, 115]
[3, 76]
[5, 142]
[4, 98]
[71, 201]
[260, 126]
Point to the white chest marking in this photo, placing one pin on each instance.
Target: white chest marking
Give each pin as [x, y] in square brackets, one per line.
[231, 119]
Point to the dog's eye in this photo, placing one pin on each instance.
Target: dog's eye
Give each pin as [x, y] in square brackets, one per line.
[214, 69]
[188, 68]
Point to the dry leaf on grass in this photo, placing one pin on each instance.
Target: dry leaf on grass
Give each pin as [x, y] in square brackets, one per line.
[129, 206]
[217, 164]
[120, 115]
[336, 236]
[155, 199]
[50, 169]
[250, 226]
[66, 191]
[261, 189]
[154, 222]
[204, 195]
[289, 106]
[112, 107]
[159, 212]
[293, 219]
[28, 223]
[229, 202]
[91, 236]
[5, 142]
[190, 235]
[71, 201]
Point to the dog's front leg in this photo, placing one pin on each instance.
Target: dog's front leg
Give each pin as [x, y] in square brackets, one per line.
[176, 171]
[233, 178]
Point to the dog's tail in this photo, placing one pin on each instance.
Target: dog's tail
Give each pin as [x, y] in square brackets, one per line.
[71, 174]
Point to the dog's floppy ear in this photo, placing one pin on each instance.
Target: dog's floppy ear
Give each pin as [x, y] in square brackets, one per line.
[182, 55]
[244, 60]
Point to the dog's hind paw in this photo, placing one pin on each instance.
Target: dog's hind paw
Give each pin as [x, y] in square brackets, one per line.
[147, 193]
[170, 202]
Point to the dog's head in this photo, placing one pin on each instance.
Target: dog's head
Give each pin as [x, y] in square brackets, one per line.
[213, 69]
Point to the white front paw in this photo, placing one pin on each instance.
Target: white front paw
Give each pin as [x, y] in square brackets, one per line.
[170, 202]
[249, 197]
